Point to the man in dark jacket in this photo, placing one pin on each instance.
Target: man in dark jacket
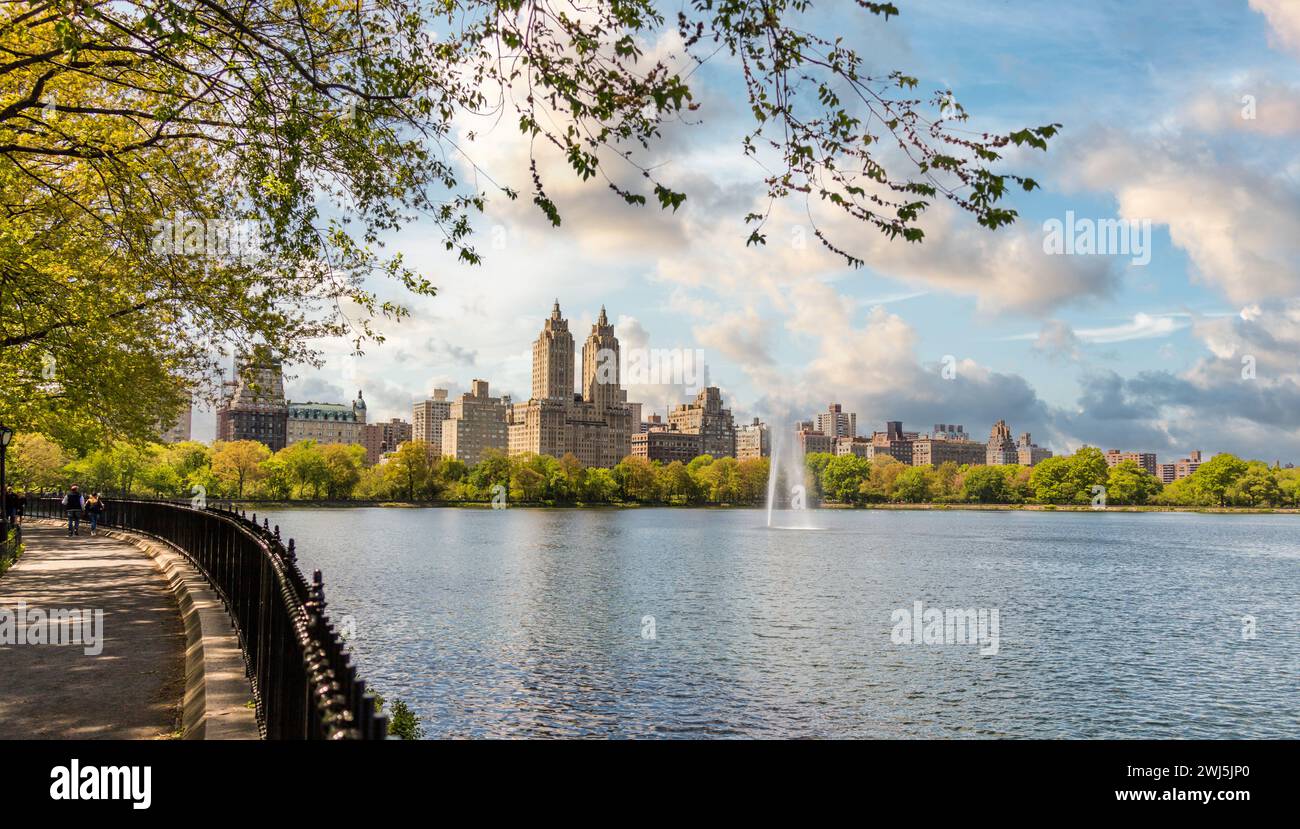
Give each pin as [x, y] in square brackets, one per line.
[15, 505]
[72, 504]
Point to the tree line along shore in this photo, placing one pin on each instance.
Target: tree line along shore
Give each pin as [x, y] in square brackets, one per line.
[310, 472]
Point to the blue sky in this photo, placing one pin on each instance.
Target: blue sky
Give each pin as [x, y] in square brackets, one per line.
[1075, 349]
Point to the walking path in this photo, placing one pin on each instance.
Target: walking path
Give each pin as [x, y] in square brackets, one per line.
[133, 688]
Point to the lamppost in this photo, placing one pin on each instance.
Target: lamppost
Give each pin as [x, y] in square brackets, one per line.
[6, 435]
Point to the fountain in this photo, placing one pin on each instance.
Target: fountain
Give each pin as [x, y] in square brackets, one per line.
[792, 490]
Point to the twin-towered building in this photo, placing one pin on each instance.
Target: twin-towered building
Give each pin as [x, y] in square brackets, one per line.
[595, 424]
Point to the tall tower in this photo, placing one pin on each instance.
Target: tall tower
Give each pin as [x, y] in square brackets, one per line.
[553, 359]
[254, 407]
[1001, 448]
[600, 380]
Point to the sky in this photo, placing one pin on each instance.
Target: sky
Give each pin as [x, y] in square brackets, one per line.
[1185, 122]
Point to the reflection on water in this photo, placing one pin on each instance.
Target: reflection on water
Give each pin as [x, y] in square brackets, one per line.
[525, 622]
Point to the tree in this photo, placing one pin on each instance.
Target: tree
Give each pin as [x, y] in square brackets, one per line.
[305, 465]
[403, 723]
[129, 462]
[599, 486]
[842, 477]
[530, 476]
[491, 471]
[1129, 483]
[1088, 469]
[132, 129]
[1257, 487]
[93, 471]
[174, 470]
[452, 470]
[1217, 475]
[722, 477]
[880, 485]
[238, 463]
[987, 485]
[1288, 483]
[343, 465]
[375, 483]
[36, 462]
[572, 470]
[1182, 492]
[161, 478]
[189, 458]
[1052, 482]
[914, 485]
[411, 468]
[815, 464]
[946, 486]
[675, 484]
[637, 480]
[753, 474]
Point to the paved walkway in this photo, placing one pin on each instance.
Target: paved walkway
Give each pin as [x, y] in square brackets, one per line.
[132, 689]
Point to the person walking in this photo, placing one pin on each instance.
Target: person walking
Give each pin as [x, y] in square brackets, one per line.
[73, 503]
[15, 505]
[95, 511]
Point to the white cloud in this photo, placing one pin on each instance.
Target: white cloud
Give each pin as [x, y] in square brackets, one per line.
[1272, 109]
[1240, 228]
[1284, 18]
[1142, 326]
[1057, 340]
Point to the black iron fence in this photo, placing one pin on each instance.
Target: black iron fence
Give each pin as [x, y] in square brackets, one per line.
[304, 684]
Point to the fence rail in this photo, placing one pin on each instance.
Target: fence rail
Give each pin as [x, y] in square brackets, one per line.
[304, 684]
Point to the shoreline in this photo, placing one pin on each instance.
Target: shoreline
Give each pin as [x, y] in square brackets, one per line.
[483, 505]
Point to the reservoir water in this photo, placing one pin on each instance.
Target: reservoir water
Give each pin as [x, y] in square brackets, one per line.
[692, 623]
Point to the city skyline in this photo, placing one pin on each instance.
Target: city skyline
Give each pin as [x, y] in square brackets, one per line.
[800, 420]
[588, 415]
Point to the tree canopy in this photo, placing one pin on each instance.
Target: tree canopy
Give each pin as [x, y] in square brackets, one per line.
[184, 179]
[307, 470]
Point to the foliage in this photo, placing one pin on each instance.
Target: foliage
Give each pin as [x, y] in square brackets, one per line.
[237, 464]
[36, 462]
[841, 477]
[310, 471]
[10, 550]
[1129, 483]
[136, 135]
[1070, 479]
[989, 485]
[403, 723]
[1216, 476]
